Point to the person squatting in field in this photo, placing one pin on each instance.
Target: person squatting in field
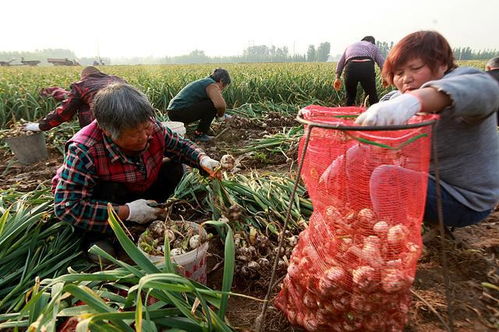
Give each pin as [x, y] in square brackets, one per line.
[78, 101]
[358, 61]
[201, 100]
[120, 158]
[423, 69]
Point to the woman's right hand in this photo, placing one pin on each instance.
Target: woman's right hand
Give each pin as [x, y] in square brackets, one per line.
[337, 84]
[141, 212]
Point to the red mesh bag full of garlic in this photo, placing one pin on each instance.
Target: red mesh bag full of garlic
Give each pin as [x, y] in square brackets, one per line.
[353, 266]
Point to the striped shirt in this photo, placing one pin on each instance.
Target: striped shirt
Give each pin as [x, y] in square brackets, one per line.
[92, 157]
[360, 49]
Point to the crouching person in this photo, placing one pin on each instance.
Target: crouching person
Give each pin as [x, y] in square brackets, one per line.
[120, 158]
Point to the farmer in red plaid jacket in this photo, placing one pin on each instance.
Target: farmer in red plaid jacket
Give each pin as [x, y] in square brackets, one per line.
[120, 158]
[77, 101]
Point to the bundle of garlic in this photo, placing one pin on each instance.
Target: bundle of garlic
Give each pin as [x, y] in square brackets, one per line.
[254, 254]
[350, 272]
[182, 237]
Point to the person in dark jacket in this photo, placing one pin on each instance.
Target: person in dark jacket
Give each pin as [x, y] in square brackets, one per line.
[358, 62]
[77, 102]
[201, 101]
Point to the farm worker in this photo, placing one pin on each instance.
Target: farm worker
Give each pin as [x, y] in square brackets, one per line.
[423, 69]
[78, 101]
[492, 68]
[201, 100]
[120, 158]
[358, 63]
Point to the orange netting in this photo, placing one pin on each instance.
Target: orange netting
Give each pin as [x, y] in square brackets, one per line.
[354, 265]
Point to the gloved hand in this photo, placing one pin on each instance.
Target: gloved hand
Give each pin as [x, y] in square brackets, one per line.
[224, 117]
[337, 84]
[392, 112]
[32, 126]
[211, 166]
[140, 212]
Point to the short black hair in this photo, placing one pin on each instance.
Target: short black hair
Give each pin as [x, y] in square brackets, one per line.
[120, 106]
[222, 75]
[369, 39]
[89, 70]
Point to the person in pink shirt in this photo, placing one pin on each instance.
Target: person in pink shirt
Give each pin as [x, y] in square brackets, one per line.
[358, 64]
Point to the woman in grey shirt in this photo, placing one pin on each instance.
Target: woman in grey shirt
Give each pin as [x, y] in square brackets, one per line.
[423, 69]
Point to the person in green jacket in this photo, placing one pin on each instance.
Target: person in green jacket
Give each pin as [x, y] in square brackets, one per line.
[201, 101]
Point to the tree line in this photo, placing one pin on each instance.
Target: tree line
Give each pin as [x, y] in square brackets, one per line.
[255, 53]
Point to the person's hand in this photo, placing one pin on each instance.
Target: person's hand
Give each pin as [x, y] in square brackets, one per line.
[211, 166]
[392, 112]
[224, 117]
[32, 126]
[337, 84]
[140, 212]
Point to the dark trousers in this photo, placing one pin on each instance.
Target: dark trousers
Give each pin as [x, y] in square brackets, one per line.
[363, 73]
[203, 111]
[455, 214]
[169, 176]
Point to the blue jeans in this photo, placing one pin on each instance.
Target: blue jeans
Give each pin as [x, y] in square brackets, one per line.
[386, 177]
[454, 213]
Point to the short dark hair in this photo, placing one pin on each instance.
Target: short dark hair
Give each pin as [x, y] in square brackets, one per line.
[493, 63]
[120, 106]
[430, 46]
[222, 75]
[89, 70]
[369, 39]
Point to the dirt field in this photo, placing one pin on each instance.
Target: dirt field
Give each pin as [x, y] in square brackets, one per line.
[472, 255]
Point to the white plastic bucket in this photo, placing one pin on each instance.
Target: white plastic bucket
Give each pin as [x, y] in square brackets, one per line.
[193, 262]
[175, 126]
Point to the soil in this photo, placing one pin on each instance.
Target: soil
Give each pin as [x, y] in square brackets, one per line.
[472, 252]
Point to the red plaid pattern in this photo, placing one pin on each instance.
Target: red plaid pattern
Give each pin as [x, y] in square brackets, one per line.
[79, 101]
[92, 157]
[55, 92]
[112, 165]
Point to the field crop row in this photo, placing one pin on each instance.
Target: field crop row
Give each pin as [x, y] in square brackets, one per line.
[278, 83]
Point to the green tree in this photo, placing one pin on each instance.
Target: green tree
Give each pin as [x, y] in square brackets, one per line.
[323, 51]
[384, 47]
[311, 54]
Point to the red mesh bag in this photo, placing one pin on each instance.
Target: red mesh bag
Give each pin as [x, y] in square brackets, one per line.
[353, 266]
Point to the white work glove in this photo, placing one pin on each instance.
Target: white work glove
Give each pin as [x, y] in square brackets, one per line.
[395, 111]
[32, 126]
[224, 117]
[140, 212]
[210, 165]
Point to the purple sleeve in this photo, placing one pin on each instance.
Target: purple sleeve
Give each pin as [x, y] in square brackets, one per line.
[341, 64]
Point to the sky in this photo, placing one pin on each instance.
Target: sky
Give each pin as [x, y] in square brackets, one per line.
[125, 28]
